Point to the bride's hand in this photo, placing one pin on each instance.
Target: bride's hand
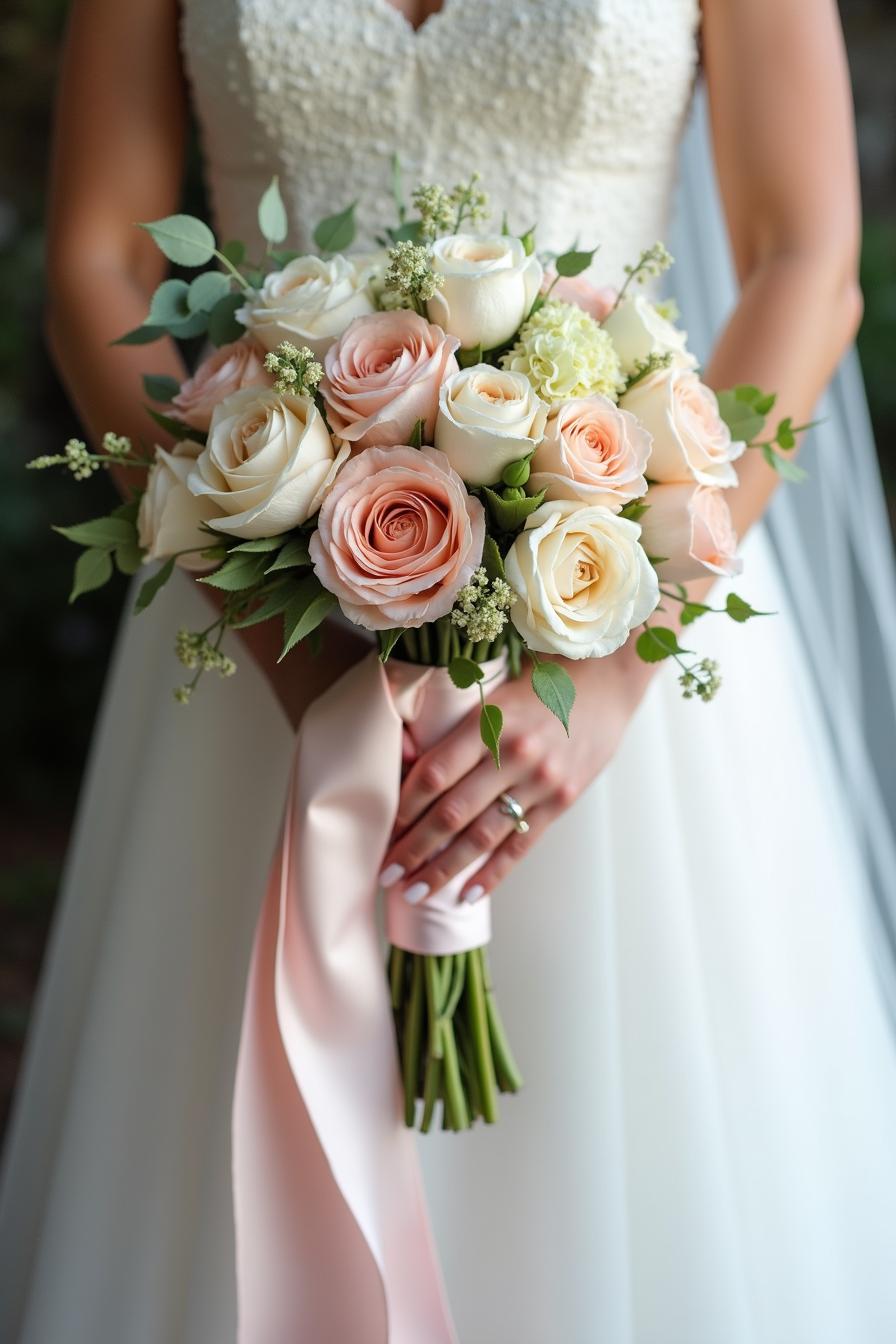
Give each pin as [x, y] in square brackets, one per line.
[449, 811]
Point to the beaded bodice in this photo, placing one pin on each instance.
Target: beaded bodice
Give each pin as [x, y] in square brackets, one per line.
[570, 109]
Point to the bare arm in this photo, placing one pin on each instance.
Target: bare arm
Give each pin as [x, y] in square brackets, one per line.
[784, 144]
[118, 156]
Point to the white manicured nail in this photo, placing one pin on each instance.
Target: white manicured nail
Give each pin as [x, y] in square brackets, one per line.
[389, 876]
[474, 894]
[415, 894]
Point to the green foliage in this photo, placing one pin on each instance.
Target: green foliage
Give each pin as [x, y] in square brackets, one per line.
[309, 605]
[207, 290]
[491, 725]
[294, 554]
[657, 643]
[744, 410]
[275, 599]
[176, 428]
[238, 572]
[183, 239]
[692, 611]
[415, 439]
[93, 568]
[154, 584]
[555, 689]
[105, 532]
[510, 509]
[272, 219]
[336, 232]
[516, 474]
[464, 672]
[492, 559]
[634, 510]
[160, 387]
[142, 335]
[387, 641]
[468, 358]
[574, 262]
[741, 611]
[234, 252]
[223, 326]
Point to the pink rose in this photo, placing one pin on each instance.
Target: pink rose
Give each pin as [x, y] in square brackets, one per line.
[383, 375]
[689, 528]
[691, 441]
[593, 452]
[226, 370]
[397, 537]
[597, 301]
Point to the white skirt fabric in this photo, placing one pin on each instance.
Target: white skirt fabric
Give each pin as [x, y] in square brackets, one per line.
[704, 1149]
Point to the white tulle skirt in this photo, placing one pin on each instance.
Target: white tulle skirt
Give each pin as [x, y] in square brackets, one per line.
[704, 1150]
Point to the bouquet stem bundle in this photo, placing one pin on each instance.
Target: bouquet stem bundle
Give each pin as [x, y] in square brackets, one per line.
[451, 1040]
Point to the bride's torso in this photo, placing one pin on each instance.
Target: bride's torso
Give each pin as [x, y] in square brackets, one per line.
[571, 110]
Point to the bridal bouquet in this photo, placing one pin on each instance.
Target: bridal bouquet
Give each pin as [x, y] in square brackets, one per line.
[466, 448]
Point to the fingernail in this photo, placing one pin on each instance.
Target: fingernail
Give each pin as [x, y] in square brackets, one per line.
[415, 894]
[473, 894]
[389, 876]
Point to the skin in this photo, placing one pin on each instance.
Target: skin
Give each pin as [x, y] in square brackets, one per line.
[783, 136]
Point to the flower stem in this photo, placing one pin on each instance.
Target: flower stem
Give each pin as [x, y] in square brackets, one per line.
[396, 975]
[477, 1014]
[413, 1029]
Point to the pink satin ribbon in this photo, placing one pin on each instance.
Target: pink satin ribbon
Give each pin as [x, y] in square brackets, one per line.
[333, 1239]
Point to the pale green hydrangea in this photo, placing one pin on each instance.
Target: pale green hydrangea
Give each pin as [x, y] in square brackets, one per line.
[564, 353]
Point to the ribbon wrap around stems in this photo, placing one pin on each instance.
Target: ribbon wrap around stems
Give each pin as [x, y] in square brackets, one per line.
[333, 1240]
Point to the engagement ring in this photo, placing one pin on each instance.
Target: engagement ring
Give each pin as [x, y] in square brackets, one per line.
[517, 813]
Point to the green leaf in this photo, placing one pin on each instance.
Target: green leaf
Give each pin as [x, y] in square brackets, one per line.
[467, 358]
[492, 559]
[784, 435]
[510, 514]
[272, 214]
[283, 258]
[207, 290]
[336, 232]
[692, 611]
[527, 239]
[464, 672]
[491, 722]
[294, 553]
[274, 604]
[741, 611]
[416, 436]
[764, 405]
[168, 305]
[234, 251]
[183, 239]
[92, 569]
[573, 263]
[789, 471]
[737, 407]
[237, 573]
[309, 606]
[195, 325]
[555, 689]
[223, 326]
[176, 428]
[398, 187]
[259, 545]
[153, 584]
[408, 232]
[130, 510]
[128, 557]
[160, 387]
[143, 335]
[634, 510]
[388, 640]
[657, 643]
[103, 532]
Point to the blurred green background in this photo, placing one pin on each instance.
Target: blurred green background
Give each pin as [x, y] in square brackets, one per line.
[53, 656]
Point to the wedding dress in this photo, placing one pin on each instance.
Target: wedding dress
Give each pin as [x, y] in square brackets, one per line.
[704, 1150]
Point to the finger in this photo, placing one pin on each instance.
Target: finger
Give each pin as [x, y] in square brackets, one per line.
[509, 853]
[454, 811]
[438, 770]
[489, 829]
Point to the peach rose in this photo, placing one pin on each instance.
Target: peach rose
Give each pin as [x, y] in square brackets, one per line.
[170, 517]
[228, 369]
[593, 452]
[383, 375]
[691, 441]
[596, 301]
[397, 537]
[689, 528]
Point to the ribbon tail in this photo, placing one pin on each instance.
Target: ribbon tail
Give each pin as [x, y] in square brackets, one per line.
[333, 1238]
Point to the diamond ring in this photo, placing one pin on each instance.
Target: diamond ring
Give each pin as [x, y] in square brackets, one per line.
[517, 813]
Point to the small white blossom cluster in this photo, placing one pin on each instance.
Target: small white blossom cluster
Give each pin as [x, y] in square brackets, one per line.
[295, 371]
[410, 272]
[652, 262]
[197, 653]
[480, 608]
[702, 680]
[117, 446]
[76, 456]
[436, 209]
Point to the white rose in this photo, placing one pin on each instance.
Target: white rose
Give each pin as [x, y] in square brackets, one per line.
[170, 516]
[638, 331]
[691, 441]
[267, 465]
[310, 302]
[582, 580]
[487, 419]
[489, 286]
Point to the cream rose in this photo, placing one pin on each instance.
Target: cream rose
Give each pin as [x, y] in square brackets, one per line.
[489, 286]
[170, 516]
[487, 419]
[267, 464]
[397, 537]
[383, 375]
[226, 370]
[591, 452]
[691, 441]
[581, 578]
[638, 330]
[310, 302]
[688, 528]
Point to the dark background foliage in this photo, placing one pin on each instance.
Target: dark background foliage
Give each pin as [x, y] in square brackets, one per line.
[53, 656]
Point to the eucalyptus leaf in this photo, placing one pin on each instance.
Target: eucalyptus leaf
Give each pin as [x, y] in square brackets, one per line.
[510, 514]
[194, 325]
[207, 290]
[234, 252]
[555, 689]
[185, 240]
[103, 532]
[153, 584]
[168, 304]
[272, 214]
[464, 672]
[491, 723]
[223, 326]
[336, 232]
[160, 387]
[93, 568]
[784, 435]
[574, 262]
[143, 335]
